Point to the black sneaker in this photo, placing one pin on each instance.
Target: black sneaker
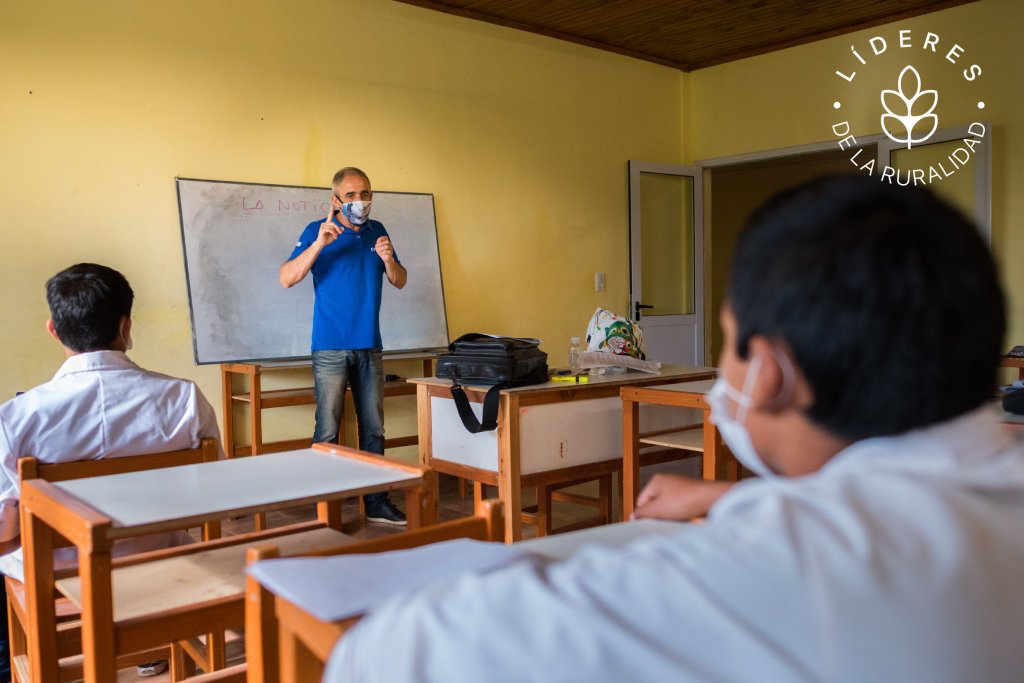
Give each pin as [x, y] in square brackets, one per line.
[386, 512]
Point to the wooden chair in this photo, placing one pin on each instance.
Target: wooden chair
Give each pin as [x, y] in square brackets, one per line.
[602, 502]
[285, 643]
[69, 633]
[541, 513]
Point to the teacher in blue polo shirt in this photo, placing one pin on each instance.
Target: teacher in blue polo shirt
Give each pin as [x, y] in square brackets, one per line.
[349, 255]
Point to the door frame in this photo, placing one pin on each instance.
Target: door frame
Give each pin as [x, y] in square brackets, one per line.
[982, 159]
[695, 172]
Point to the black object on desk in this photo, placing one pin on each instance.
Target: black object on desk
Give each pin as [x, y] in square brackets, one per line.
[1013, 402]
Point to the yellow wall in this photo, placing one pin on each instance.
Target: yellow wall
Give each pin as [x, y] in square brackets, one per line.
[785, 99]
[522, 139]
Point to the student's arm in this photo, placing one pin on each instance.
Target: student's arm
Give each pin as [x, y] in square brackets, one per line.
[10, 521]
[10, 526]
[397, 275]
[295, 270]
[207, 422]
[670, 496]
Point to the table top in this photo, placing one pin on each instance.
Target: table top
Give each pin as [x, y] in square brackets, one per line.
[136, 499]
[307, 361]
[562, 546]
[629, 377]
[321, 585]
[699, 387]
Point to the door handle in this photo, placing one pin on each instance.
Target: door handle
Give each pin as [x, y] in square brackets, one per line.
[636, 313]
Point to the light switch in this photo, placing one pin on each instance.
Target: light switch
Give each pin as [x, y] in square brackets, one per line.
[598, 282]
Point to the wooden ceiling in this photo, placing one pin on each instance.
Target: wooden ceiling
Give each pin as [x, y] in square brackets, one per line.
[688, 34]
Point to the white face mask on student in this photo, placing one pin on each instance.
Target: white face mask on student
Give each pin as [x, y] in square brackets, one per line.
[733, 429]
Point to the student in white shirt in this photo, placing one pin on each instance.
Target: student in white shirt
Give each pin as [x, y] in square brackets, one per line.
[99, 404]
[883, 540]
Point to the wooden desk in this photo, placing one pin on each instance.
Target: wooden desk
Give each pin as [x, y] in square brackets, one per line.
[1013, 362]
[93, 513]
[717, 465]
[259, 400]
[547, 433]
[307, 641]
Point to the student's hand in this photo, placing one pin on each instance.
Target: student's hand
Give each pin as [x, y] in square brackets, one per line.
[670, 496]
[384, 250]
[329, 230]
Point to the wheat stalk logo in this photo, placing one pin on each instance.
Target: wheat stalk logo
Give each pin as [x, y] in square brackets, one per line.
[901, 104]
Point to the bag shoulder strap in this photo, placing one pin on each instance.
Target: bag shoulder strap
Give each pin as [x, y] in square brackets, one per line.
[488, 420]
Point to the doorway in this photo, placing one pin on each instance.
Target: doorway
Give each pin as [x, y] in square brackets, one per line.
[732, 192]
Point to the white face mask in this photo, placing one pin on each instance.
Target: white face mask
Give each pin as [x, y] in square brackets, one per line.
[357, 213]
[733, 430]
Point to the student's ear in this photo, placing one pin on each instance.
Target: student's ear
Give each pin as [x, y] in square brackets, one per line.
[52, 330]
[780, 385]
[125, 331]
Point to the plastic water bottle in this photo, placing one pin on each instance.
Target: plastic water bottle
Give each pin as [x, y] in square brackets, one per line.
[574, 355]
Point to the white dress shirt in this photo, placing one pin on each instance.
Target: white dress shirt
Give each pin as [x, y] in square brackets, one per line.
[98, 405]
[901, 560]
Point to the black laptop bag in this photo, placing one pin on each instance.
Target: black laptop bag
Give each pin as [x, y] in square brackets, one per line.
[485, 359]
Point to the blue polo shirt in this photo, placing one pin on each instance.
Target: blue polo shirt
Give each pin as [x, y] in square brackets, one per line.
[347, 284]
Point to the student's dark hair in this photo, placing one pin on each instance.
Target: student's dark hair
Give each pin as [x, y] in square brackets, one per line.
[87, 302]
[346, 172]
[887, 296]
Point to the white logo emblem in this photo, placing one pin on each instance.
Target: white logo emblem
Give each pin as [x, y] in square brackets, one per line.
[900, 119]
[909, 107]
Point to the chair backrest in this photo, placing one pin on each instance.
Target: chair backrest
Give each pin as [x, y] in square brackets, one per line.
[484, 525]
[263, 657]
[31, 468]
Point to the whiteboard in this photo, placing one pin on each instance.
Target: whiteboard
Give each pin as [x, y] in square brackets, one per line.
[235, 236]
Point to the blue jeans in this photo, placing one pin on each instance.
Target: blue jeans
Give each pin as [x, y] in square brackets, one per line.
[333, 372]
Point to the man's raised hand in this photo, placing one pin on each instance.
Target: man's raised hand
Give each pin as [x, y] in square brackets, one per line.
[329, 230]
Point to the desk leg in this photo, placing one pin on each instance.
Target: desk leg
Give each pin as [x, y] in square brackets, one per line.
[99, 659]
[37, 542]
[421, 503]
[718, 464]
[432, 513]
[630, 456]
[261, 627]
[423, 419]
[328, 512]
[255, 412]
[509, 486]
[228, 435]
[298, 663]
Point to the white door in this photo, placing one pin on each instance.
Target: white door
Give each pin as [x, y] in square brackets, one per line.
[666, 260]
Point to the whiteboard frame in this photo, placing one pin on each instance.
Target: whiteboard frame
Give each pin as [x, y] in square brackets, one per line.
[395, 354]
